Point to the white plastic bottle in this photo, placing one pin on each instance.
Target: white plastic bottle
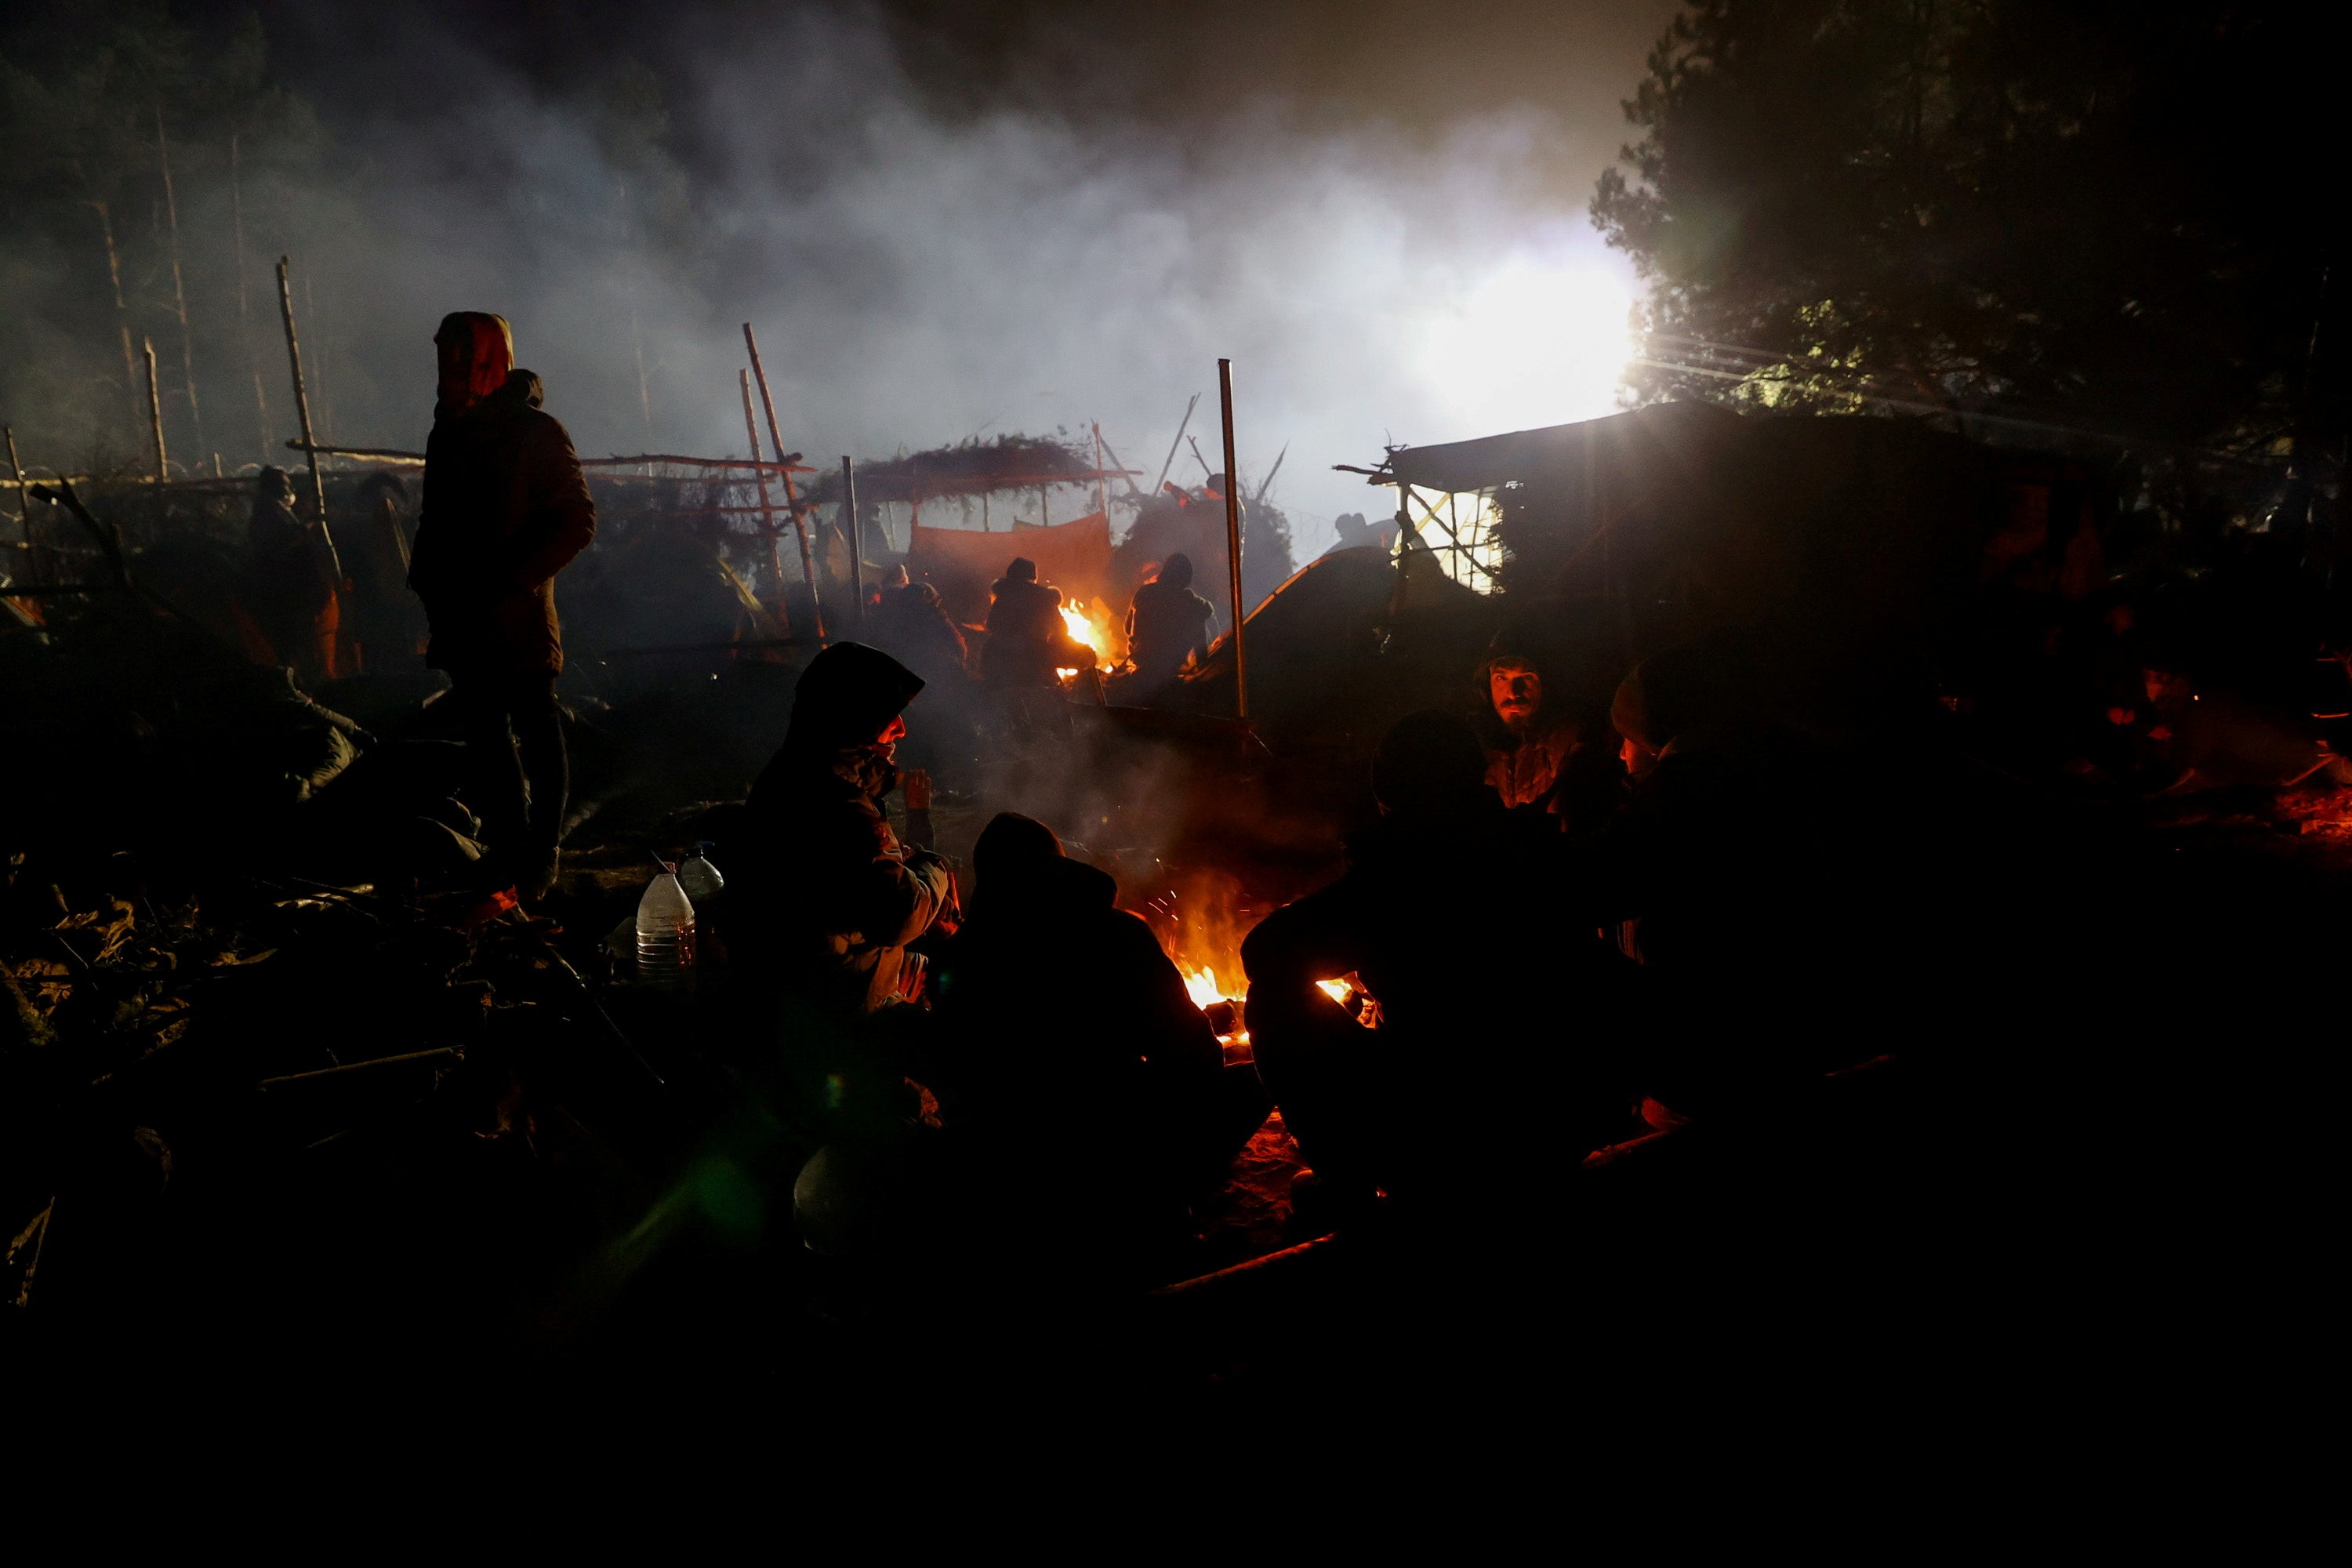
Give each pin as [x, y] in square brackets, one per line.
[665, 932]
[700, 879]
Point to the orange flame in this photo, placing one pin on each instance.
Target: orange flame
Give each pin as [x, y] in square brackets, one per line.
[1091, 624]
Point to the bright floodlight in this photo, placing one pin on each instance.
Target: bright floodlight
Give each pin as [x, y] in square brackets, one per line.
[1529, 343]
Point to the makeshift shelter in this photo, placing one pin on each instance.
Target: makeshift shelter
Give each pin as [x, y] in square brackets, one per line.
[960, 562]
[1689, 514]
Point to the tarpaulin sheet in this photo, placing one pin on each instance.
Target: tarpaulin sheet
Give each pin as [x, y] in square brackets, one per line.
[1073, 556]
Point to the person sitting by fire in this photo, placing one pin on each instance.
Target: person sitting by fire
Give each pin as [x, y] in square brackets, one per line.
[826, 897]
[1730, 876]
[1167, 625]
[1028, 643]
[1494, 994]
[1549, 749]
[1063, 1020]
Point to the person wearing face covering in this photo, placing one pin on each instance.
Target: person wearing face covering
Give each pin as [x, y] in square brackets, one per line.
[504, 509]
[827, 898]
[1167, 625]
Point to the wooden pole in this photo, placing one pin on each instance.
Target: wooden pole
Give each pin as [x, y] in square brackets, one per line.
[121, 312]
[24, 498]
[179, 289]
[856, 547]
[1234, 538]
[155, 410]
[302, 411]
[767, 517]
[791, 492]
[244, 309]
[1181, 426]
[1102, 491]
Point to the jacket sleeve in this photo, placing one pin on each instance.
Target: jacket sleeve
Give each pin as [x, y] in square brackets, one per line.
[563, 517]
[897, 894]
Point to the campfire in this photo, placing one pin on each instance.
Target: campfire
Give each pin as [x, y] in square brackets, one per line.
[1092, 625]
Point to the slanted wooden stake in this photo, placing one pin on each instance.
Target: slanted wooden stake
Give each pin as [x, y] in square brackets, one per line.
[302, 412]
[856, 550]
[155, 410]
[1233, 537]
[23, 498]
[791, 492]
[767, 517]
[179, 289]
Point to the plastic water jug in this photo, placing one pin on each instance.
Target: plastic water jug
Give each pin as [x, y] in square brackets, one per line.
[665, 932]
[700, 879]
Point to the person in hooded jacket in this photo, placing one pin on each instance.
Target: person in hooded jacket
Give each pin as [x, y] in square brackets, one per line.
[1123, 1058]
[1496, 996]
[504, 507]
[1167, 625]
[827, 898]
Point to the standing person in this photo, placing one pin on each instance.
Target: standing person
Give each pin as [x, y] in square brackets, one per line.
[290, 586]
[1167, 625]
[504, 509]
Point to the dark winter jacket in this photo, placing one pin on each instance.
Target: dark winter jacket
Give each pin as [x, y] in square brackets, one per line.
[504, 509]
[1063, 1005]
[1168, 623]
[1027, 641]
[828, 898]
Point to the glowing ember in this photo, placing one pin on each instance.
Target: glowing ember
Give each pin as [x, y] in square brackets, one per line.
[1334, 989]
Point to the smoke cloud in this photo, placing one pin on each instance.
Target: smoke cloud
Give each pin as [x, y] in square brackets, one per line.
[916, 275]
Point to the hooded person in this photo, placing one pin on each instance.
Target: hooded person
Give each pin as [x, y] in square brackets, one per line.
[1167, 625]
[1027, 640]
[827, 898]
[1130, 1066]
[504, 507]
[1496, 996]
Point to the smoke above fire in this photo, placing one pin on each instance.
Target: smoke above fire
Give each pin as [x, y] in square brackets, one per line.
[916, 278]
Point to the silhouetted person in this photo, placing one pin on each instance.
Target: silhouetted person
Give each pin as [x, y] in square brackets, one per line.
[504, 509]
[1068, 1027]
[1730, 877]
[1497, 1000]
[1168, 623]
[1028, 643]
[909, 622]
[827, 899]
[822, 900]
[291, 586]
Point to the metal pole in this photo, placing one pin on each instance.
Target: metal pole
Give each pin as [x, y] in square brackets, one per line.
[156, 411]
[767, 517]
[1233, 539]
[791, 494]
[856, 547]
[24, 498]
[302, 411]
